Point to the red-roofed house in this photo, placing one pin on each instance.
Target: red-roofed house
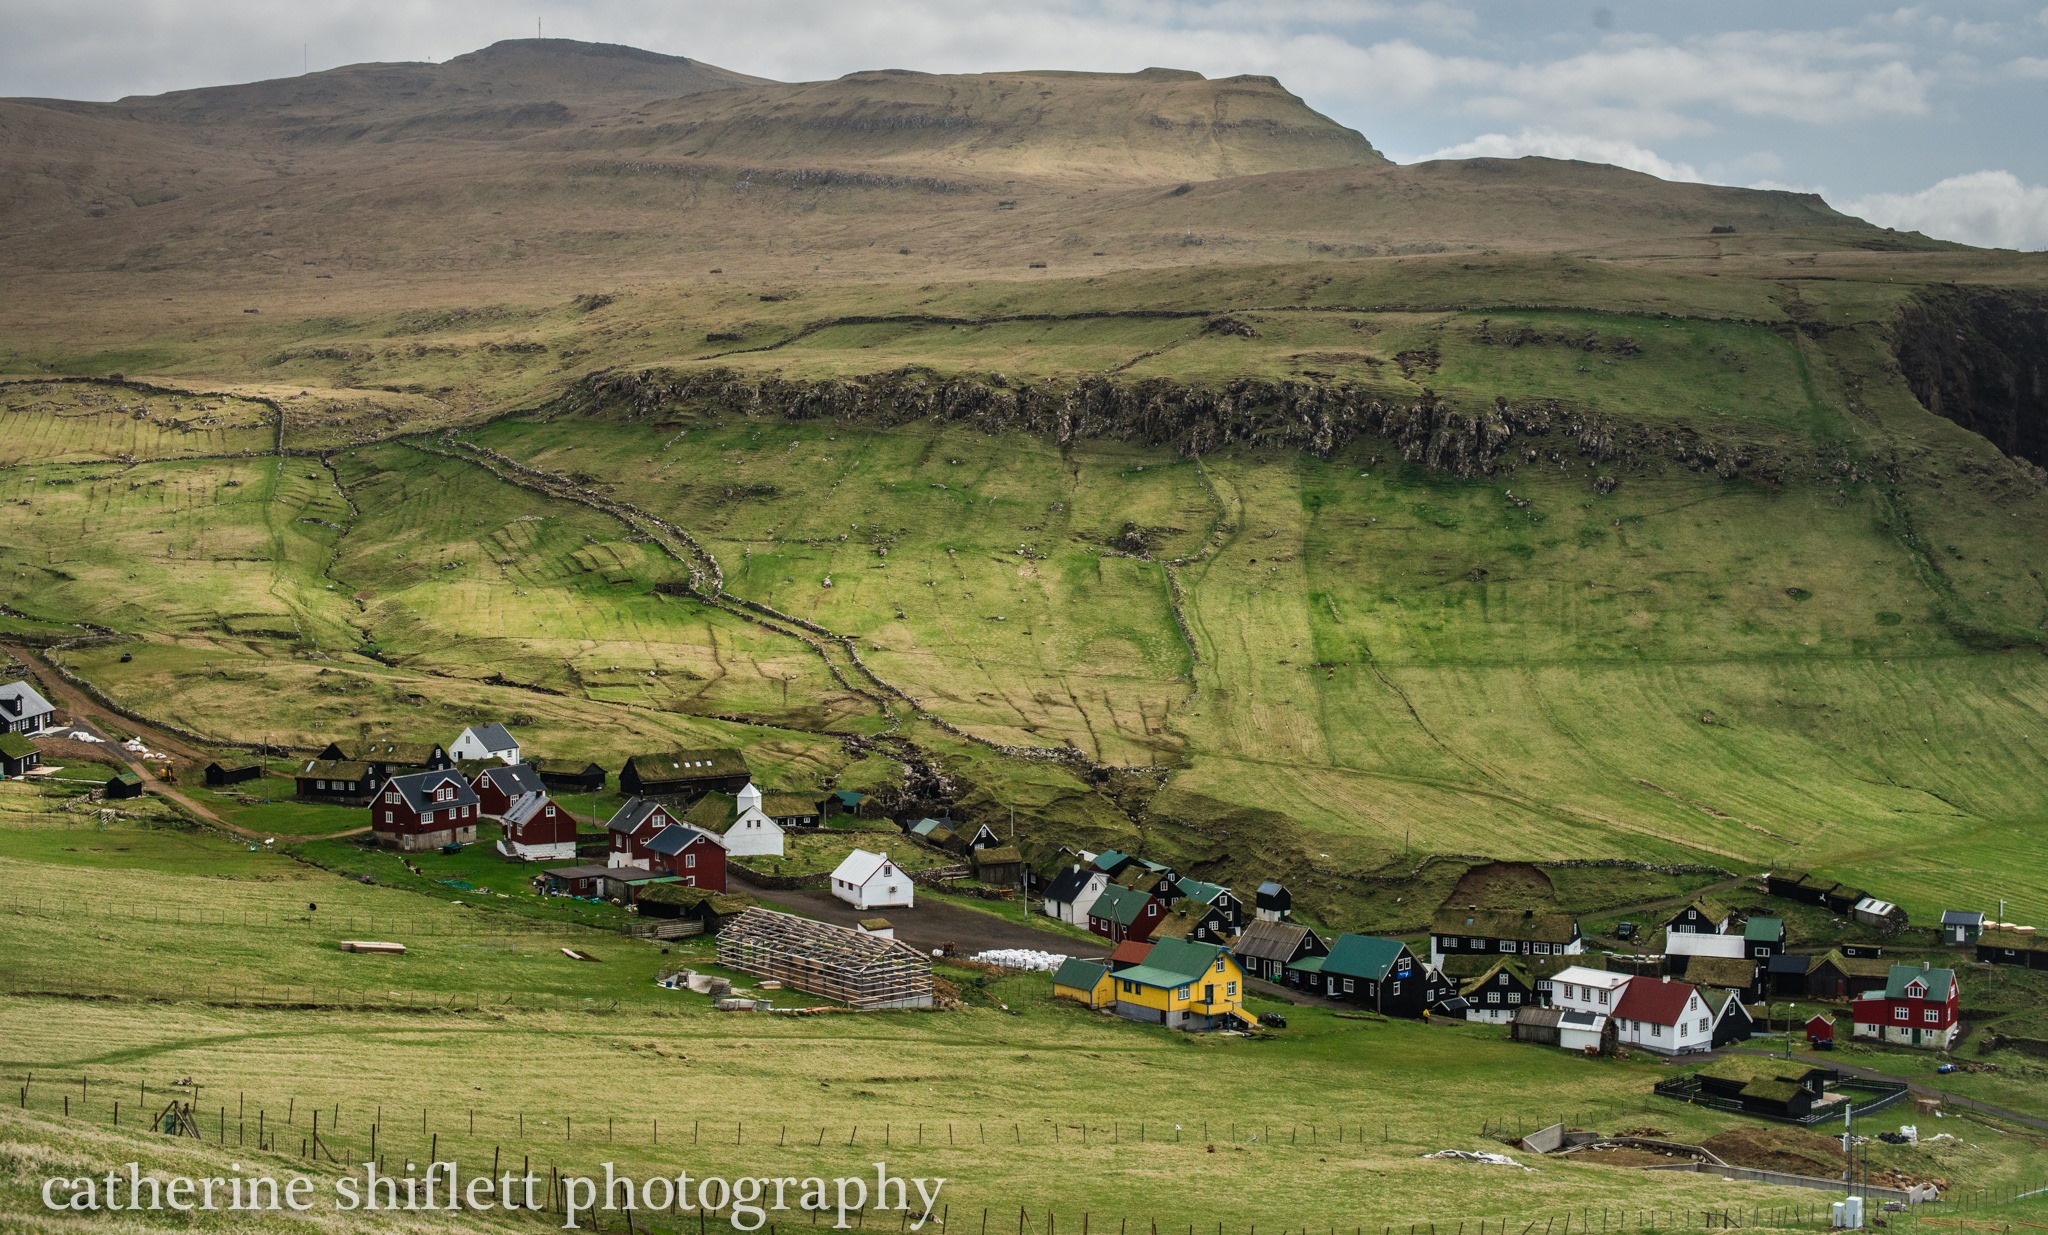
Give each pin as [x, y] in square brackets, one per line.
[1130, 952]
[1667, 1017]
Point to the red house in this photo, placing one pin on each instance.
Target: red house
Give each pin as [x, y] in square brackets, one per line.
[499, 787]
[697, 858]
[1820, 1031]
[424, 810]
[536, 830]
[636, 823]
[1124, 913]
[1919, 1006]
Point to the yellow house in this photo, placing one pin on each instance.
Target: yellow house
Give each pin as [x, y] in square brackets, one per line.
[1182, 985]
[1084, 982]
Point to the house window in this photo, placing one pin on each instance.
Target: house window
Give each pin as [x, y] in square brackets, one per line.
[1899, 1014]
[1182, 992]
[690, 860]
[1507, 945]
[1504, 981]
[1703, 1024]
[1347, 986]
[387, 816]
[1493, 996]
[1604, 995]
[1219, 964]
[1543, 949]
[1760, 950]
[1514, 997]
[1479, 945]
[1656, 1031]
[1230, 990]
[1567, 986]
[1397, 988]
[1933, 1017]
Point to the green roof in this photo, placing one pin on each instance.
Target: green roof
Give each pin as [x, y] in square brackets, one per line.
[1110, 857]
[1936, 980]
[1764, 930]
[1120, 905]
[1309, 964]
[1079, 973]
[1196, 890]
[1172, 963]
[714, 812]
[1774, 1091]
[126, 778]
[1363, 956]
[1178, 960]
[15, 746]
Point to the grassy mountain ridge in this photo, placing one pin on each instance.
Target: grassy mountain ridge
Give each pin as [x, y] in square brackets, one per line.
[1304, 508]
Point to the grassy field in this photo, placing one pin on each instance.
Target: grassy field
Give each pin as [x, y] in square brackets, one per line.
[146, 952]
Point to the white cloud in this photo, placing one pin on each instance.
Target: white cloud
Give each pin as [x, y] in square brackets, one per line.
[1990, 208]
[1551, 144]
[2028, 66]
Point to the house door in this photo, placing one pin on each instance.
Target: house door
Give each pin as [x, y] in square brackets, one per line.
[1209, 992]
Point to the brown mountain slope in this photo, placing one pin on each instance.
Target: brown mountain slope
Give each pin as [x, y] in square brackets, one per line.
[1159, 125]
[500, 78]
[551, 161]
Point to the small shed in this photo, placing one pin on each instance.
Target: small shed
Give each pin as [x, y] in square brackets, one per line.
[575, 880]
[1538, 1025]
[1273, 902]
[1820, 1031]
[710, 909]
[880, 928]
[1085, 982]
[1873, 912]
[864, 972]
[999, 866]
[220, 775]
[1961, 927]
[124, 785]
[18, 755]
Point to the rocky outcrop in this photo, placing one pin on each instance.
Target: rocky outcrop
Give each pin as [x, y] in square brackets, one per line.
[1321, 417]
[1979, 357]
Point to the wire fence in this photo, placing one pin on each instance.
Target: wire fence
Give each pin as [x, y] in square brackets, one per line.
[556, 1146]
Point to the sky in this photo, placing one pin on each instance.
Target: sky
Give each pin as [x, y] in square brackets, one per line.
[1931, 117]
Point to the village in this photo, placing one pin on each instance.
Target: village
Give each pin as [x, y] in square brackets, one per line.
[685, 854]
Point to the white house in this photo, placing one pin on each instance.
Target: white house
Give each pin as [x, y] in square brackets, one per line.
[1670, 1018]
[485, 742]
[1581, 989]
[23, 709]
[739, 819]
[870, 881]
[1073, 892]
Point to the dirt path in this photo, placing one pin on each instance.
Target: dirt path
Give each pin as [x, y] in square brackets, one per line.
[931, 923]
[85, 710]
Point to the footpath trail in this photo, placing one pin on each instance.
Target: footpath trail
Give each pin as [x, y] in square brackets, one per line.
[1921, 1089]
[84, 709]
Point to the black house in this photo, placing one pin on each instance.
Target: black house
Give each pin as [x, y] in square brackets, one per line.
[1811, 889]
[386, 759]
[2012, 945]
[18, 755]
[1381, 974]
[1773, 1088]
[122, 785]
[569, 780]
[336, 780]
[1269, 949]
[1493, 991]
[685, 774]
[1785, 975]
[1273, 903]
[219, 775]
[1503, 932]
